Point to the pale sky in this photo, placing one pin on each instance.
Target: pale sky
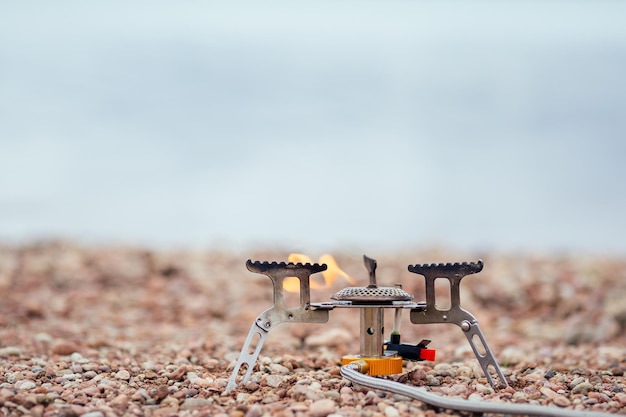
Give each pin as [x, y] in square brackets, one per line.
[496, 125]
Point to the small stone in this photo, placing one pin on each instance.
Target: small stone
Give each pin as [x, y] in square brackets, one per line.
[254, 411]
[251, 386]
[576, 381]
[64, 348]
[161, 392]
[432, 381]
[10, 351]
[279, 369]
[457, 389]
[91, 391]
[391, 412]
[120, 402]
[191, 403]
[582, 388]
[322, 408]
[558, 399]
[78, 358]
[169, 402]
[93, 414]
[465, 371]
[89, 375]
[179, 373]
[475, 397]
[123, 374]
[418, 375]
[25, 385]
[274, 380]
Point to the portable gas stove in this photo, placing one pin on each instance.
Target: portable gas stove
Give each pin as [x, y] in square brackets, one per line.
[379, 357]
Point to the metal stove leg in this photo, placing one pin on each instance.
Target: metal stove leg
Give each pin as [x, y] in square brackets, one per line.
[455, 314]
[279, 313]
[485, 356]
[246, 357]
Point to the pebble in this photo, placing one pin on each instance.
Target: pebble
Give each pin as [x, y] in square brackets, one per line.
[123, 374]
[254, 411]
[558, 399]
[25, 385]
[305, 392]
[432, 381]
[322, 408]
[457, 389]
[391, 412]
[89, 375]
[576, 381]
[91, 391]
[191, 403]
[64, 348]
[10, 351]
[465, 371]
[179, 373]
[582, 388]
[120, 402]
[418, 375]
[78, 358]
[273, 380]
[251, 386]
[279, 369]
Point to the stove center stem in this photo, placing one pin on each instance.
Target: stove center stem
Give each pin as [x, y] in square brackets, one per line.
[372, 331]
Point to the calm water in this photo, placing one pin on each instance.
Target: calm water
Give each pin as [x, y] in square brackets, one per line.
[315, 126]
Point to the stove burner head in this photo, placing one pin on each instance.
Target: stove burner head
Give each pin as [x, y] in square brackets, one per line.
[372, 293]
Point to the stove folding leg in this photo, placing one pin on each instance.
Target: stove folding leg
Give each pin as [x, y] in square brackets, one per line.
[484, 355]
[278, 313]
[246, 357]
[430, 314]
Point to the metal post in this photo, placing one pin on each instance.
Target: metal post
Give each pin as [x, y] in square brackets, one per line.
[372, 322]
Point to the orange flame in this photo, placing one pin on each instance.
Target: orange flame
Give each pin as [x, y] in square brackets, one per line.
[292, 284]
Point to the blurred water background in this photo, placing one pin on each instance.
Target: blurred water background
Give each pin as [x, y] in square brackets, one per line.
[315, 125]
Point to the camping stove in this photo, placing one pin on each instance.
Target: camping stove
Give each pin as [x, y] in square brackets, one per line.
[381, 357]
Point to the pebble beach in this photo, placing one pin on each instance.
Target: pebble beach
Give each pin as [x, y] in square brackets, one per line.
[102, 331]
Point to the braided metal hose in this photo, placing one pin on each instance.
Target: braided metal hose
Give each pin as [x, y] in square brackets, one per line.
[352, 372]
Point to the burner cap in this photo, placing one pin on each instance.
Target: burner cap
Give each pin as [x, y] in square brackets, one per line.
[372, 294]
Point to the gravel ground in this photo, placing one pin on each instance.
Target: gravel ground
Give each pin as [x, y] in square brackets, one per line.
[108, 331]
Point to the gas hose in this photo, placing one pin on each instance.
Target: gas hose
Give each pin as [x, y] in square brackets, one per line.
[352, 372]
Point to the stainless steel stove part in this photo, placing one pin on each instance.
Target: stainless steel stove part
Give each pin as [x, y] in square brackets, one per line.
[372, 317]
[278, 313]
[454, 273]
[371, 300]
[363, 295]
[372, 293]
